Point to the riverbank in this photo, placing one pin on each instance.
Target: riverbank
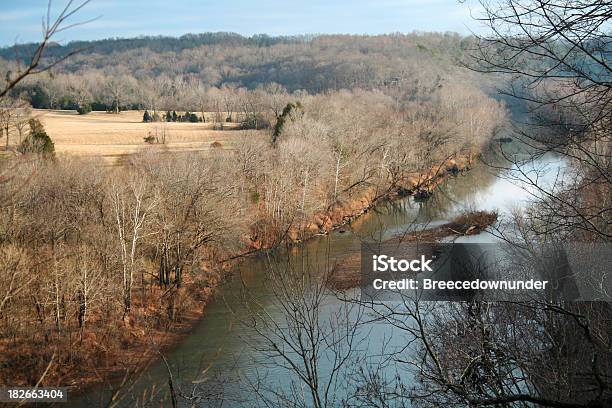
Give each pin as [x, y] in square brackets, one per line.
[421, 186]
[218, 338]
[154, 328]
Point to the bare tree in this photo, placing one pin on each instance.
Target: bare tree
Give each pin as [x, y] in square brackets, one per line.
[132, 206]
[312, 341]
[547, 352]
[22, 117]
[229, 98]
[17, 281]
[553, 53]
[202, 100]
[118, 86]
[7, 113]
[51, 27]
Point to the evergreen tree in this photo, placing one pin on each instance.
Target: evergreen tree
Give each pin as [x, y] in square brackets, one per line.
[168, 116]
[174, 116]
[280, 122]
[146, 117]
[190, 117]
[38, 141]
[84, 109]
[39, 97]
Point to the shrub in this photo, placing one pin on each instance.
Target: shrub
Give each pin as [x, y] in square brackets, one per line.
[84, 110]
[256, 121]
[37, 141]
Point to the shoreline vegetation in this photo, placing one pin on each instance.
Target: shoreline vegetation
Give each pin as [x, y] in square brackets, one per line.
[143, 345]
[156, 343]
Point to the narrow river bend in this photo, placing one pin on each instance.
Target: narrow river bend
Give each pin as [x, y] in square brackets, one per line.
[217, 343]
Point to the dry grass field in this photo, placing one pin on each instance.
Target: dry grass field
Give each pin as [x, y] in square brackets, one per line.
[113, 136]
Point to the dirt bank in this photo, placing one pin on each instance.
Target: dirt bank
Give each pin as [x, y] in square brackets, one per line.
[344, 211]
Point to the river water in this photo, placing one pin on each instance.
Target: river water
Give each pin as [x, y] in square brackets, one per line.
[217, 350]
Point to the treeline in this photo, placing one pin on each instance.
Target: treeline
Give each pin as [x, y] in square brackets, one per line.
[93, 258]
[172, 117]
[122, 74]
[154, 43]
[395, 64]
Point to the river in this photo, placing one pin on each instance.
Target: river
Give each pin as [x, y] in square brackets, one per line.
[217, 345]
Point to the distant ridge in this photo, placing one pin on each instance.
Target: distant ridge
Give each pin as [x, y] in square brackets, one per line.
[157, 43]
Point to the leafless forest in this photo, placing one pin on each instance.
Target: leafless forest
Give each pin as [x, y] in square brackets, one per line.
[97, 261]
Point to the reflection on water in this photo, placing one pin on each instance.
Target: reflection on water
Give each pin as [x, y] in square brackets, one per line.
[217, 343]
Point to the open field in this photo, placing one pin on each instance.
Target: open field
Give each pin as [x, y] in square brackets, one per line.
[113, 136]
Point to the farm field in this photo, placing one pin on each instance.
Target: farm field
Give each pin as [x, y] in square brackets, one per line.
[113, 136]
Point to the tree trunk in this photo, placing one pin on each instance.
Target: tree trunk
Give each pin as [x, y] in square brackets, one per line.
[337, 177]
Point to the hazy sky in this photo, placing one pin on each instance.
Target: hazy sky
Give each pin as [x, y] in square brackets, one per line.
[20, 20]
